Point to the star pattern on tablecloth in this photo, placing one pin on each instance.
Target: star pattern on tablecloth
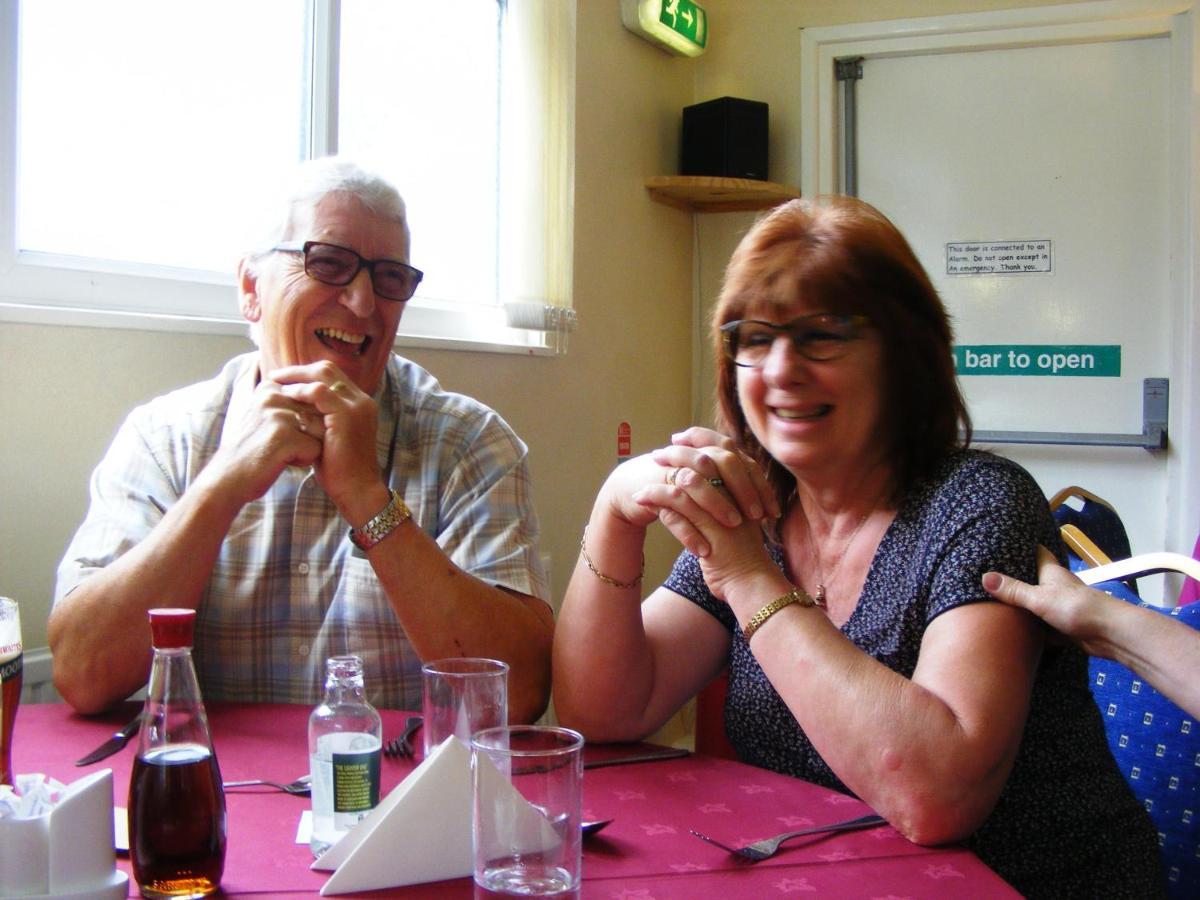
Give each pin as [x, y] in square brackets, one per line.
[756, 789]
[634, 894]
[630, 795]
[840, 799]
[714, 808]
[837, 856]
[689, 867]
[795, 821]
[790, 885]
[680, 777]
[656, 828]
[945, 870]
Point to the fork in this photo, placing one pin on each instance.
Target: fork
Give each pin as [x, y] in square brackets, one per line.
[768, 847]
[402, 746]
[301, 787]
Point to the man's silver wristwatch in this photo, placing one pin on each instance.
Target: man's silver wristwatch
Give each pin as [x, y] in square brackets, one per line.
[396, 513]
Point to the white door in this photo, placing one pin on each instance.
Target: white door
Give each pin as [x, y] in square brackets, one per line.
[1034, 168]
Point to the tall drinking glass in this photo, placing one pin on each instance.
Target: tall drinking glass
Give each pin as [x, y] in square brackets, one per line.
[528, 782]
[461, 696]
[10, 681]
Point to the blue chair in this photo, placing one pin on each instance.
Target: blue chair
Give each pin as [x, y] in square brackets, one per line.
[1155, 743]
[1094, 522]
[1095, 517]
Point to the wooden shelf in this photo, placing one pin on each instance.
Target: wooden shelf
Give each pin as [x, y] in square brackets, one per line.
[705, 193]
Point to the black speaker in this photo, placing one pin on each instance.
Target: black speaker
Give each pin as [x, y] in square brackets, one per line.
[727, 137]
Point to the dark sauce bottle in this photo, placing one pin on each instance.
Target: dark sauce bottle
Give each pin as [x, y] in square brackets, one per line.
[176, 802]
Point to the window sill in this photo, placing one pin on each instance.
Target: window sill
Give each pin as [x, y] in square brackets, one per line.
[482, 337]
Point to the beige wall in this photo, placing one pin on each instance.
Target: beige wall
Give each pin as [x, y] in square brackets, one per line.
[64, 390]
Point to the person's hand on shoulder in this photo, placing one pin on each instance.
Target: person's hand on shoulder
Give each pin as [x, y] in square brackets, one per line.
[1059, 598]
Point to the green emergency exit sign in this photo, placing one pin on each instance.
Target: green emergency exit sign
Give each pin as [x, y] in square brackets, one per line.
[677, 26]
[686, 19]
[1088, 360]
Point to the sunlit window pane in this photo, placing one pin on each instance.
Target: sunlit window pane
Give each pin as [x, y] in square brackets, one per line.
[147, 128]
[418, 102]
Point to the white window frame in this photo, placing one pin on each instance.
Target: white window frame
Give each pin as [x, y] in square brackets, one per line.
[43, 288]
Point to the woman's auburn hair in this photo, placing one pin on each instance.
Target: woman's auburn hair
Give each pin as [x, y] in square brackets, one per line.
[841, 255]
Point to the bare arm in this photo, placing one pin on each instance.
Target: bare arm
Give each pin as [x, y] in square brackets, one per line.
[931, 753]
[448, 612]
[623, 667]
[1163, 651]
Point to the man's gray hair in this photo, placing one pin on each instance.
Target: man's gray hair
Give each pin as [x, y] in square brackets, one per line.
[317, 178]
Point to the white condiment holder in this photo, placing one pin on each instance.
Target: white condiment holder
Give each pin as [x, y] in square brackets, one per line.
[68, 852]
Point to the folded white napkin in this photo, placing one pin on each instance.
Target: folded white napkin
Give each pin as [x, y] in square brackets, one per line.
[421, 831]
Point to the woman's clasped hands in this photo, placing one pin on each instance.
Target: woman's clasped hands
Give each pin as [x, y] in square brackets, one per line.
[713, 498]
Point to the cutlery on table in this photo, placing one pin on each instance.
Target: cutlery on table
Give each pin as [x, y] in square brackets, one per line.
[402, 746]
[120, 738]
[588, 828]
[648, 754]
[301, 787]
[768, 847]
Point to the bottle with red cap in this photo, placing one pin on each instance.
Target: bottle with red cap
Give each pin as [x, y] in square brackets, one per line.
[176, 802]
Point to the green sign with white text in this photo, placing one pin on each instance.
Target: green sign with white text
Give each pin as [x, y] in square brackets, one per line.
[1088, 360]
[686, 18]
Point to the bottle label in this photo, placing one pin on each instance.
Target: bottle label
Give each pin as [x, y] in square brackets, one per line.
[345, 784]
[356, 779]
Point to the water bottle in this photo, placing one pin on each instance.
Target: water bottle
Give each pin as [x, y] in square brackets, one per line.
[345, 743]
[176, 802]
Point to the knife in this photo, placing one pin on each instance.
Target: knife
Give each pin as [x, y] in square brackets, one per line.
[120, 738]
[646, 753]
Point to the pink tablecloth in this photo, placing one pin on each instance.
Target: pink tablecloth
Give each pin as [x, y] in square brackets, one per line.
[646, 854]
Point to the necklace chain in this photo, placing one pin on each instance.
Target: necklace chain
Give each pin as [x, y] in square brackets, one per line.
[819, 596]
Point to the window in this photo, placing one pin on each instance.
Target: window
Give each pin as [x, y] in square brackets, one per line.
[141, 143]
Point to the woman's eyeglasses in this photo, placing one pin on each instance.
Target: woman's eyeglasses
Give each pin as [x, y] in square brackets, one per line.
[819, 337]
[331, 264]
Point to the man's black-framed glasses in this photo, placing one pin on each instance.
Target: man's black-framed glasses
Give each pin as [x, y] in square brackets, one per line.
[818, 337]
[331, 264]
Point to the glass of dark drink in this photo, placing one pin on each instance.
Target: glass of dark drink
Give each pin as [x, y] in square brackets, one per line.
[10, 682]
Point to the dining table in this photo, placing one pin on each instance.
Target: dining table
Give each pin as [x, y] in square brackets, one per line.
[647, 853]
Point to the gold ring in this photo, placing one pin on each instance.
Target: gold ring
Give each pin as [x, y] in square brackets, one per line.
[717, 482]
[672, 475]
[300, 423]
[338, 386]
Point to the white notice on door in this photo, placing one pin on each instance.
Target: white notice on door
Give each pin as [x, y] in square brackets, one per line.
[998, 257]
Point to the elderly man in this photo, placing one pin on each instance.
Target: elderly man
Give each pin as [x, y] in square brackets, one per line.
[320, 496]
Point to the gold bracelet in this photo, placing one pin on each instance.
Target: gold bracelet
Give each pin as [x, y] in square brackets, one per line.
[796, 595]
[608, 579]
